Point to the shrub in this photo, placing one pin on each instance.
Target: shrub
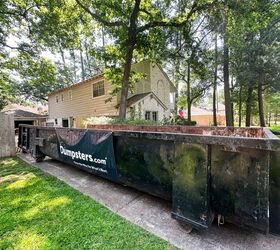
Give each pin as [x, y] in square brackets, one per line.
[98, 120]
[135, 122]
[108, 120]
[182, 121]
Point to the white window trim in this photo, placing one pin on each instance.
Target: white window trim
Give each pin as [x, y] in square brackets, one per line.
[94, 97]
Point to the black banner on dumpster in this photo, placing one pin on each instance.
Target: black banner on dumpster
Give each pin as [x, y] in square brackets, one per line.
[88, 149]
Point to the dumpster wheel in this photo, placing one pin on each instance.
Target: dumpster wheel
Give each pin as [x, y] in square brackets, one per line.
[186, 227]
[39, 159]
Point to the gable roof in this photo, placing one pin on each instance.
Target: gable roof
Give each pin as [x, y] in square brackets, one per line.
[77, 84]
[37, 109]
[22, 113]
[167, 77]
[138, 97]
[102, 76]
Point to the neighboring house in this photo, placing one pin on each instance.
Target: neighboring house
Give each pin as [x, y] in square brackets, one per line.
[27, 115]
[204, 117]
[153, 98]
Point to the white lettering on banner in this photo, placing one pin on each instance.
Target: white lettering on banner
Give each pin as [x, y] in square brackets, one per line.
[82, 156]
[92, 167]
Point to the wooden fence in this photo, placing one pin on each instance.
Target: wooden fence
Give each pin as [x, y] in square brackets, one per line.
[7, 135]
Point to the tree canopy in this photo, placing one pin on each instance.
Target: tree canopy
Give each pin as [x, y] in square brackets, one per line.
[205, 45]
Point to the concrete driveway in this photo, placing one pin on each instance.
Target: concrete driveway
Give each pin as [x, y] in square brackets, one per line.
[153, 214]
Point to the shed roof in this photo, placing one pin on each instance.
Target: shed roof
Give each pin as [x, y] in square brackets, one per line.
[22, 113]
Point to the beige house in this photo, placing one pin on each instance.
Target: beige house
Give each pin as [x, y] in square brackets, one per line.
[152, 98]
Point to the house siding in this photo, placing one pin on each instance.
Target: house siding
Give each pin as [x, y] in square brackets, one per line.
[160, 86]
[149, 103]
[142, 86]
[82, 103]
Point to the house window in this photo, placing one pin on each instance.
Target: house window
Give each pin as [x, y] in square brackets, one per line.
[70, 94]
[56, 98]
[155, 116]
[65, 123]
[98, 89]
[62, 97]
[55, 121]
[148, 115]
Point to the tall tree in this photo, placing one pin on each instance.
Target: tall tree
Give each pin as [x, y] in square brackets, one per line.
[228, 105]
[130, 21]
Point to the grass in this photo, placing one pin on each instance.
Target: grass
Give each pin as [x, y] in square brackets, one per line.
[275, 128]
[38, 211]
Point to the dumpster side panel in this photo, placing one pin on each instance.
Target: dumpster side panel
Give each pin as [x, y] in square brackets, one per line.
[50, 142]
[240, 186]
[190, 195]
[274, 199]
[145, 164]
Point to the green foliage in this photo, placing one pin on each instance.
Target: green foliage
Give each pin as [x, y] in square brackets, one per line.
[114, 75]
[39, 211]
[182, 121]
[4, 95]
[135, 122]
[98, 120]
[178, 120]
[108, 120]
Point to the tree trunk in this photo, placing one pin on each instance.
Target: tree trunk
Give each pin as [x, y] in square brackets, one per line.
[176, 82]
[229, 120]
[189, 92]
[82, 62]
[275, 118]
[240, 106]
[248, 106]
[62, 56]
[103, 43]
[215, 122]
[260, 102]
[131, 40]
[72, 54]
[177, 70]
[88, 59]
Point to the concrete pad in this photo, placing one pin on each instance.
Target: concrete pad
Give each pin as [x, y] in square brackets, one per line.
[154, 214]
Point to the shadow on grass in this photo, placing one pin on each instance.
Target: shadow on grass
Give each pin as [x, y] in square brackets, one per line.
[41, 212]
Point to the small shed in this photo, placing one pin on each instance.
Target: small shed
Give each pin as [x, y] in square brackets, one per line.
[26, 115]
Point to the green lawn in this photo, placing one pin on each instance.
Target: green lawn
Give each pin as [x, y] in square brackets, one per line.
[276, 128]
[38, 211]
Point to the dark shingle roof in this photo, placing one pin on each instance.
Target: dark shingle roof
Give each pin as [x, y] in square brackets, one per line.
[138, 97]
[23, 113]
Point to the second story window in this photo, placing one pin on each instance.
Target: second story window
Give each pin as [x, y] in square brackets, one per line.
[62, 97]
[70, 94]
[56, 98]
[98, 89]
